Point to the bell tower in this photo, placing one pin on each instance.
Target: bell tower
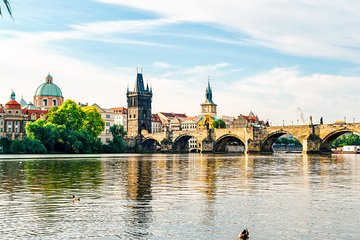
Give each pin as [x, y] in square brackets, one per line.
[139, 107]
[208, 107]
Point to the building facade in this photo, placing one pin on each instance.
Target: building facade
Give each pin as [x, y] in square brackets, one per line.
[120, 116]
[48, 94]
[108, 117]
[139, 108]
[12, 120]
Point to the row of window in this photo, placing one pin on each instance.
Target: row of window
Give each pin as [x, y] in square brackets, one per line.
[10, 129]
[45, 102]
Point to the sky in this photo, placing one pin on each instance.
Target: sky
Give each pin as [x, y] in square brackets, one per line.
[266, 56]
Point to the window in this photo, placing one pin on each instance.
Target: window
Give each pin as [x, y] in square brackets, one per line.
[1, 129]
[54, 102]
[107, 115]
[45, 102]
[107, 140]
[108, 124]
[16, 111]
[10, 111]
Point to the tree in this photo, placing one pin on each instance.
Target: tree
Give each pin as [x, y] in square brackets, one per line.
[68, 114]
[69, 128]
[7, 4]
[93, 122]
[27, 145]
[47, 133]
[219, 124]
[117, 145]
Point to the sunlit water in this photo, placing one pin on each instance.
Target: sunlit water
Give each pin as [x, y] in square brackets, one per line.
[180, 197]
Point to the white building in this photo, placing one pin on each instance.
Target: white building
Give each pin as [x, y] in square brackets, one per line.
[120, 116]
[156, 126]
[109, 118]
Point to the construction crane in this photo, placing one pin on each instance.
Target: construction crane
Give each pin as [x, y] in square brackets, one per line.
[301, 115]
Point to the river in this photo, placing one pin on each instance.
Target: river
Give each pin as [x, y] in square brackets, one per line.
[188, 196]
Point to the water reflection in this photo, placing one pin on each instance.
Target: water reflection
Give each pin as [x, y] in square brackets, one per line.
[181, 197]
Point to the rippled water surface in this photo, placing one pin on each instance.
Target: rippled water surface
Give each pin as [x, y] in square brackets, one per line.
[180, 197]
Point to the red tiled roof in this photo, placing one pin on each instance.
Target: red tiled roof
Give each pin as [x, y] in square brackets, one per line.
[12, 104]
[119, 109]
[37, 112]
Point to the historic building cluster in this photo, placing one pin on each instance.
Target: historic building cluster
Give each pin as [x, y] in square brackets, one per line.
[135, 118]
[14, 115]
[140, 117]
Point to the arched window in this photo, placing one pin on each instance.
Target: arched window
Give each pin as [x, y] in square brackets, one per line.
[54, 102]
[45, 102]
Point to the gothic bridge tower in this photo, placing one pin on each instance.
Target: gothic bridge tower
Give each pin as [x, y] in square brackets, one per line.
[139, 107]
[208, 107]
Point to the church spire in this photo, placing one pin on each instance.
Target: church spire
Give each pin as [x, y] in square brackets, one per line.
[208, 94]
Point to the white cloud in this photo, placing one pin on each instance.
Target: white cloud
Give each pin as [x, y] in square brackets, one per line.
[312, 28]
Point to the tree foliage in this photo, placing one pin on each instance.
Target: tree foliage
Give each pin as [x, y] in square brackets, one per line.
[92, 122]
[345, 140]
[27, 145]
[117, 145]
[69, 128]
[219, 124]
[287, 141]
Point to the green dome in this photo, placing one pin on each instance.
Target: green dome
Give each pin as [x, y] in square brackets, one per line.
[48, 88]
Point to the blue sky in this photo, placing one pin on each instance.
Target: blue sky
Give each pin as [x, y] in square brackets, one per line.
[266, 56]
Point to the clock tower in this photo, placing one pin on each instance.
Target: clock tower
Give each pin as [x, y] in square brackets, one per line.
[208, 107]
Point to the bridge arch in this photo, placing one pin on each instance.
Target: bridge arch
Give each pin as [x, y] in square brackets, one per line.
[229, 143]
[150, 145]
[267, 143]
[181, 143]
[331, 137]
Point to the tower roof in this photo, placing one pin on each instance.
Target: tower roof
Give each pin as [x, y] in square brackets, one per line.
[140, 86]
[48, 88]
[208, 95]
[12, 103]
[23, 102]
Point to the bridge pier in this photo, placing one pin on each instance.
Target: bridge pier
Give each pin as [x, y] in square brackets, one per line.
[207, 145]
[312, 145]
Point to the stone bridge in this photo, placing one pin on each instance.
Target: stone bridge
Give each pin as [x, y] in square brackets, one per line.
[314, 138]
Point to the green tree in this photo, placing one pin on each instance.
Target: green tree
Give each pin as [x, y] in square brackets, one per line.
[7, 5]
[68, 128]
[68, 114]
[117, 145]
[343, 140]
[27, 145]
[47, 133]
[219, 124]
[93, 122]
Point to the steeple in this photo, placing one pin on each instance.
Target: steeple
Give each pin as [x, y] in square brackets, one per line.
[208, 94]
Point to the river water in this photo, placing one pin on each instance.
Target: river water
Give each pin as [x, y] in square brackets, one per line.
[179, 196]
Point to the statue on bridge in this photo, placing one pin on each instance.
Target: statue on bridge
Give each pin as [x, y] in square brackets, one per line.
[321, 121]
